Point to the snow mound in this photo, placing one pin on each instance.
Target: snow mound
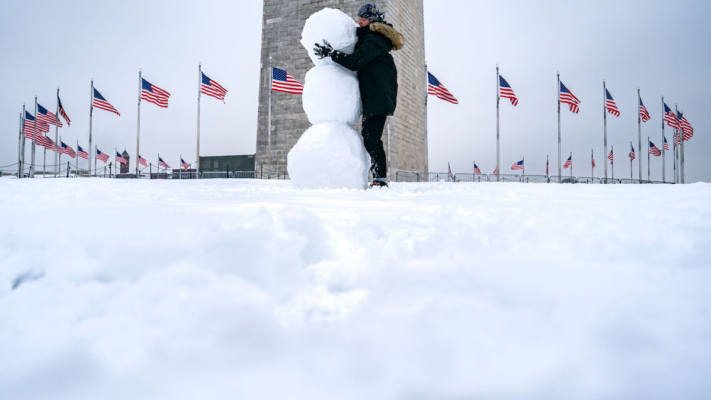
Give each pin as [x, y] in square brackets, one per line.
[329, 155]
[331, 94]
[331, 25]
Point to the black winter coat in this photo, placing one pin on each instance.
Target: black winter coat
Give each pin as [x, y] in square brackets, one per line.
[377, 74]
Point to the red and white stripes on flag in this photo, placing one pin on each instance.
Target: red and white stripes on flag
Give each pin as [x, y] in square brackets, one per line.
[686, 127]
[643, 113]
[64, 149]
[282, 81]
[506, 92]
[142, 161]
[567, 97]
[154, 94]
[611, 157]
[120, 159]
[654, 150]
[436, 88]
[101, 156]
[47, 117]
[568, 163]
[101, 103]
[212, 88]
[184, 164]
[83, 154]
[63, 113]
[631, 155]
[45, 142]
[610, 104]
[162, 163]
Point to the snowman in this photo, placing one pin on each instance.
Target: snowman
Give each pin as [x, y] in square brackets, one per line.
[330, 154]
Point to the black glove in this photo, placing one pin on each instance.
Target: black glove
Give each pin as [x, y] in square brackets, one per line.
[323, 51]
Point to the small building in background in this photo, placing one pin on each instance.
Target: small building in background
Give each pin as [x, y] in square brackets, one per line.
[125, 167]
[243, 163]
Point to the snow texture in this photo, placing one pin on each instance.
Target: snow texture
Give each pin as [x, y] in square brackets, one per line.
[337, 28]
[329, 155]
[238, 289]
[331, 94]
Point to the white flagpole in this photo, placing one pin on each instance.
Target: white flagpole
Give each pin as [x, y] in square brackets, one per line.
[19, 145]
[116, 161]
[612, 162]
[592, 169]
[44, 165]
[498, 146]
[95, 154]
[571, 164]
[560, 171]
[639, 131]
[604, 112]
[138, 124]
[681, 150]
[56, 136]
[649, 159]
[198, 118]
[59, 162]
[427, 162]
[91, 116]
[269, 118]
[664, 163]
[34, 136]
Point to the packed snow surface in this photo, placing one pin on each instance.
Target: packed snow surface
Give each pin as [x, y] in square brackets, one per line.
[334, 26]
[237, 289]
[329, 155]
[332, 94]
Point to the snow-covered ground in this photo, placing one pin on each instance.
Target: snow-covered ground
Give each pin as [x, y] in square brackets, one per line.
[237, 289]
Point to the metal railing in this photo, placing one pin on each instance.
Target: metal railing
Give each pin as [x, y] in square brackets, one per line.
[407, 176]
[471, 178]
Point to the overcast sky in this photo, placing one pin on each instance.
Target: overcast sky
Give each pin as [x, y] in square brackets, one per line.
[660, 46]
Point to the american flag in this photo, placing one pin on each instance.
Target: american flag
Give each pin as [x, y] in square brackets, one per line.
[63, 113]
[476, 169]
[546, 167]
[183, 164]
[154, 94]
[653, 150]
[666, 145]
[450, 172]
[568, 163]
[142, 161]
[518, 165]
[677, 138]
[29, 127]
[212, 88]
[436, 88]
[83, 154]
[45, 142]
[64, 149]
[670, 117]
[611, 106]
[47, 117]
[162, 163]
[631, 155]
[568, 98]
[101, 156]
[592, 157]
[643, 111]
[496, 171]
[101, 103]
[282, 81]
[685, 126]
[506, 91]
[610, 157]
[120, 159]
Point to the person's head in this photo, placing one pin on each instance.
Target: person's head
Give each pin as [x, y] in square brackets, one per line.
[368, 14]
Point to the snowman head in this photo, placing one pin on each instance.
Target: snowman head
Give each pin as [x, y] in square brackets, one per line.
[337, 28]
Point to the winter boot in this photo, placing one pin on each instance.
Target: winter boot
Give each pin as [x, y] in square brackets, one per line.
[379, 182]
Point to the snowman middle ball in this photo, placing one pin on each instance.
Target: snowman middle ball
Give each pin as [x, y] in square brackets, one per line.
[332, 94]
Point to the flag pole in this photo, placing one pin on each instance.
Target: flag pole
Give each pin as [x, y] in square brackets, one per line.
[571, 164]
[138, 124]
[639, 132]
[91, 116]
[498, 101]
[60, 154]
[117, 164]
[44, 163]
[632, 166]
[56, 136]
[269, 117]
[96, 166]
[19, 145]
[664, 164]
[604, 112]
[649, 159]
[592, 169]
[681, 149]
[34, 136]
[560, 171]
[427, 162]
[612, 162]
[197, 163]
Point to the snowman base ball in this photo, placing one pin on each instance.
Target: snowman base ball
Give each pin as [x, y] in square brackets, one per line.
[329, 155]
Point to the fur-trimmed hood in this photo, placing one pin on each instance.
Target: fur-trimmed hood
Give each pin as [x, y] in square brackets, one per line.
[390, 33]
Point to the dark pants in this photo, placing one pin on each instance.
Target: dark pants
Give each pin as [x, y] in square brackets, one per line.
[372, 139]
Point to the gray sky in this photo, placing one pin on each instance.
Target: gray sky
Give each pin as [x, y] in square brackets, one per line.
[659, 46]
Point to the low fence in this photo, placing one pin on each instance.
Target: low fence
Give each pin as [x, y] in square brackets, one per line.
[414, 176]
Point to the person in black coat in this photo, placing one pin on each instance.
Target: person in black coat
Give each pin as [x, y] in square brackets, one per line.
[377, 77]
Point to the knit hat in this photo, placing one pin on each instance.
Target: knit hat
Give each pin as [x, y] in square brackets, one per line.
[371, 12]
